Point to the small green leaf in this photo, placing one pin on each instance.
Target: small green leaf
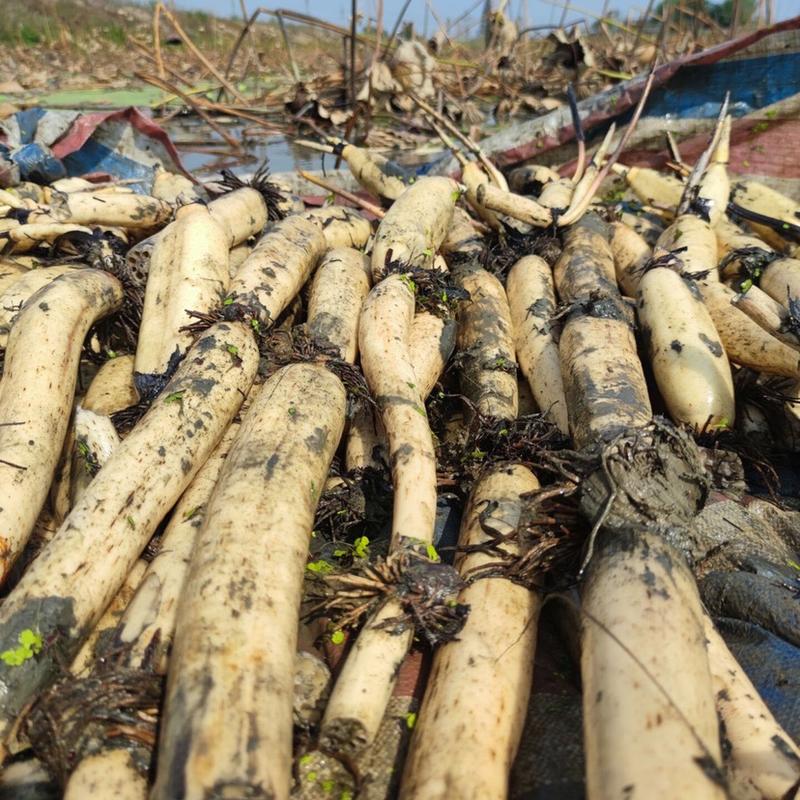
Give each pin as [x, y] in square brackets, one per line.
[292, 411]
[409, 283]
[30, 643]
[233, 349]
[361, 546]
[327, 786]
[175, 397]
[111, 353]
[14, 658]
[432, 554]
[255, 325]
[303, 760]
[337, 637]
[131, 521]
[312, 776]
[411, 720]
[320, 567]
[340, 552]
[228, 301]
[192, 512]
[31, 639]
[793, 564]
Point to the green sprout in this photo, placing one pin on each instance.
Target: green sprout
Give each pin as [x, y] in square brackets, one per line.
[410, 285]
[337, 637]
[361, 547]
[30, 643]
[432, 554]
[411, 720]
[175, 397]
[321, 567]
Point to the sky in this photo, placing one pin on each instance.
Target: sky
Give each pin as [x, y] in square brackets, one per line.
[534, 12]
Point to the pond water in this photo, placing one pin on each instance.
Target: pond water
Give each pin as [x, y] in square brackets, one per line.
[204, 152]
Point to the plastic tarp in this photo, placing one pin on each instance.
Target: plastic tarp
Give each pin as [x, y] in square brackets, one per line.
[124, 144]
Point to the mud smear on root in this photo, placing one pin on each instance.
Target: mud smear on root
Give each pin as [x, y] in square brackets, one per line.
[113, 709]
[651, 478]
[148, 386]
